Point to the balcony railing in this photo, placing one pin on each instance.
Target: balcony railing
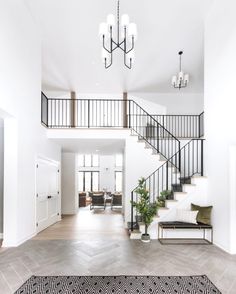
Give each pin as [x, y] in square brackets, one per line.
[109, 113]
[183, 126]
[116, 113]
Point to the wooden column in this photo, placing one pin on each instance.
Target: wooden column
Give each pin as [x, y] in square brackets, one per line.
[73, 110]
[125, 110]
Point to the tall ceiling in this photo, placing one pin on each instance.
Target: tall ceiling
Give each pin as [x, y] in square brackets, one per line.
[71, 48]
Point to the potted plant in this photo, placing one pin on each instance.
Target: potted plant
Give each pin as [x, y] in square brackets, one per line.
[146, 209]
[162, 198]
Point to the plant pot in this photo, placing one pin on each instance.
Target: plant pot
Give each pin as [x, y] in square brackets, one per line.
[145, 238]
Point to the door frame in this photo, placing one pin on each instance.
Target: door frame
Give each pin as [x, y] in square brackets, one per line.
[43, 159]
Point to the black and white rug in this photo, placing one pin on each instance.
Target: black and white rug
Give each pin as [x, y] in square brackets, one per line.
[118, 284]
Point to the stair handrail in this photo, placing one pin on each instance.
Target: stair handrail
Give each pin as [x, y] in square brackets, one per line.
[166, 165]
[159, 126]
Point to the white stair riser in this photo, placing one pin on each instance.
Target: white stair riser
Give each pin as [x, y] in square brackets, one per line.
[171, 204]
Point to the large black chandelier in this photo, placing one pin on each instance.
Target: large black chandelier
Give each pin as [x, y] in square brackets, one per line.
[125, 34]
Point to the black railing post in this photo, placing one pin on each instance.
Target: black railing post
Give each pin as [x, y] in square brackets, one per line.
[132, 211]
[167, 175]
[179, 157]
[158, 135]
[88, 113]
[202, 159]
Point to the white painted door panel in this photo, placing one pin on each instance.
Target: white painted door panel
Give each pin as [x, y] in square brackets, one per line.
[47, 193]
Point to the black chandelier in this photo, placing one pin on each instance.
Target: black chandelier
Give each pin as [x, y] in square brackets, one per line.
[126, 36]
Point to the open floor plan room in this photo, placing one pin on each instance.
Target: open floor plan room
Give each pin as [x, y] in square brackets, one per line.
[117, 147]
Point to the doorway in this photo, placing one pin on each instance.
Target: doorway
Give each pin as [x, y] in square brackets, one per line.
[48, 196]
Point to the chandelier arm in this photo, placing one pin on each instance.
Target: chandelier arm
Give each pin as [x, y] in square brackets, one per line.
[110, 64]
[116, 45]
[132, 47]
[128, 66]
[103, 45]
[111, 54]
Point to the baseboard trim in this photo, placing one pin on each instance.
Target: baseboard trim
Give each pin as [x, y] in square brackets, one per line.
[17, 242]
[223, 248]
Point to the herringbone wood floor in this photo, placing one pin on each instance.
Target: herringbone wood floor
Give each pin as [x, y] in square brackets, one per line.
[107, 253]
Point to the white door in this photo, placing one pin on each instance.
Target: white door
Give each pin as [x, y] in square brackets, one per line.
[48, 200]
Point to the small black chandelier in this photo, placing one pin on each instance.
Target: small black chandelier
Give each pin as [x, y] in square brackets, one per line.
[180, 80]
[126, 35]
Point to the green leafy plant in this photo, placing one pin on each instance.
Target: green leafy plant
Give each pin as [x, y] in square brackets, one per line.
[143, 206]
[162, 198]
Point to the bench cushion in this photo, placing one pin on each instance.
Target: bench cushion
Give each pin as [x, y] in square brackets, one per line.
[183, 225]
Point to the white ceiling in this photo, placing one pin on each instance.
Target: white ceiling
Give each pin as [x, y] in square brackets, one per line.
[72, 50]
[99, 146]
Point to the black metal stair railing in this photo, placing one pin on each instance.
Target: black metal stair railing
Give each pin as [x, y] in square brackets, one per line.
[152, 132]
[109, 113]
[185, 126]
[175, 172]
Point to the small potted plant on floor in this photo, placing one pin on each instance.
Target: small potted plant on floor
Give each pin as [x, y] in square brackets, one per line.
[146, 209]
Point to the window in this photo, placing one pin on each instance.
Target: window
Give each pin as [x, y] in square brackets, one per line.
[95, 160]
[88, 181]
[119, 160]
[81, 160]
[118, 181]
[88, 160]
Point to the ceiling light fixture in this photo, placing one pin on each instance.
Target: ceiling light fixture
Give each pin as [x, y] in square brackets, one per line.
[126, 35]
[180, 80]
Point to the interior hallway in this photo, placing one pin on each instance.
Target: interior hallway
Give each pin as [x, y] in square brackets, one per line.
[95, 243]
[88, 225]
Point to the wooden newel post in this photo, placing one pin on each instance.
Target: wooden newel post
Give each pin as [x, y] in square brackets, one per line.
[125, 110]
[73, 110]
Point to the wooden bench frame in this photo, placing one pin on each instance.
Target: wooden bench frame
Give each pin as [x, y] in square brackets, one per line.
[184, 226]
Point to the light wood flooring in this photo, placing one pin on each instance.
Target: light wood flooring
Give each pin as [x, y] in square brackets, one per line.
[96, 224]
[96, 244]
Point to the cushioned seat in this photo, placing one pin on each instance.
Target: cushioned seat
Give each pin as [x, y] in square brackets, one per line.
[98, 200]
[175, 225]
[183, 225]
[116, 200]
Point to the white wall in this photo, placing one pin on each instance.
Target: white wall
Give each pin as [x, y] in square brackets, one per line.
[107, 172]
[220, 119]
[151, 107]
[138, 162]
[25, 138]
[1, 172]
[69, 203]
[179, 103]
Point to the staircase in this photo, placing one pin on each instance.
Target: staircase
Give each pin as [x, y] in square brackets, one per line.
[182, 167]
[180, 175]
